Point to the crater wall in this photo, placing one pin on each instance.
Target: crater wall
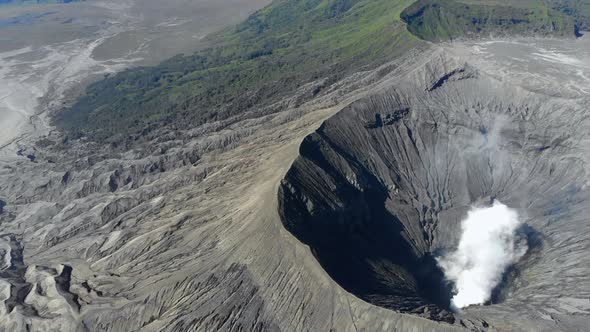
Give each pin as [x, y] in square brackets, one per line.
[380, 188]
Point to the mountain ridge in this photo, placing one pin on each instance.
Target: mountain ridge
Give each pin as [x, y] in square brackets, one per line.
[277, 49]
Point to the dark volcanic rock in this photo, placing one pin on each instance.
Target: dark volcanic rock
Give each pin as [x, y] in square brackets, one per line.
[376, 203]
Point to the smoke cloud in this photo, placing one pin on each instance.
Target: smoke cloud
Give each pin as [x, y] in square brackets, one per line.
[489, 244]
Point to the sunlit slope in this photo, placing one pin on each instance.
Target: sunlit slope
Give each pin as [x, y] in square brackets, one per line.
[275, 51]
[451, 19]
[286, 45]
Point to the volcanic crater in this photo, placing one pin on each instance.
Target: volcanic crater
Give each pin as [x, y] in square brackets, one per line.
[380, 189]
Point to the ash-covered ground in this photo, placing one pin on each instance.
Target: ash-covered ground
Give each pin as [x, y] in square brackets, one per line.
[50, 53]
[380, 190]
[327, 215]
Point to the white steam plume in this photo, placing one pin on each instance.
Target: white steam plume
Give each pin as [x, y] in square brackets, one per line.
[489, 244]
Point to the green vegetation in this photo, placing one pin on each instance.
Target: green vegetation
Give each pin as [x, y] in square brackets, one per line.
[271, 54]
[282, 47]
[578, 9]
[450, 19]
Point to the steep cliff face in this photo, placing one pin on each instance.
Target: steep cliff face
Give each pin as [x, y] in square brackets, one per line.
[380, 188]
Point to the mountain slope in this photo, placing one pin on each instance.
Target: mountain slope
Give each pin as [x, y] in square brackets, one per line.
[275, 51]
[283, 47]
[451, 19]
[284, 181]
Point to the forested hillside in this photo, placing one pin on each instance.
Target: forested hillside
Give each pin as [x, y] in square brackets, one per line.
[275, 51]
[450, 19]
[284, 46]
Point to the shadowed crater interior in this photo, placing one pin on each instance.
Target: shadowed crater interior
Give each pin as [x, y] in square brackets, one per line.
[380, 189]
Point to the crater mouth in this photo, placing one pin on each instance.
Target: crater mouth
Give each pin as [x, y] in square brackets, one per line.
[380, 189]
[362, 246]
